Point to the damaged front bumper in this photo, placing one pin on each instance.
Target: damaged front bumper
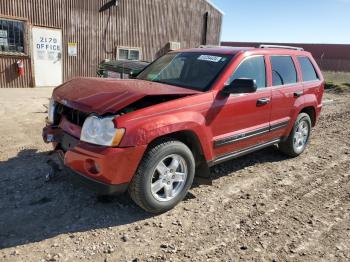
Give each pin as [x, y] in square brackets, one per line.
[105, 170]
[95, 185]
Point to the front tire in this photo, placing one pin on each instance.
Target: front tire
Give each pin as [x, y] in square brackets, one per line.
[164, 176]
[299, 137]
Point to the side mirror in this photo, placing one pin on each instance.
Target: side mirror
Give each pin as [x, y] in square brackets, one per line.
[240, 86]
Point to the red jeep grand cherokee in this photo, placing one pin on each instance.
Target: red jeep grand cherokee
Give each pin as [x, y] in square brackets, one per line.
[187, 111]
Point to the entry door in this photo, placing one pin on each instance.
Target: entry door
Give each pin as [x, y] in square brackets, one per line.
[286, 93]
[47, 56]
[242, 121]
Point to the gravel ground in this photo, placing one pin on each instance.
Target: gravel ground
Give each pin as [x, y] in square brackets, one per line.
[262, 207]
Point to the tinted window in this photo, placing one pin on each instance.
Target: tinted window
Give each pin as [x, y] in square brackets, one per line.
[252, 68]
[283, 70]
[191, 70]
[308, 70]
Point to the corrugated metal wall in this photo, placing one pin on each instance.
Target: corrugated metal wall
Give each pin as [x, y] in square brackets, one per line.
[148, 24]
[8, 72]
[329, 57]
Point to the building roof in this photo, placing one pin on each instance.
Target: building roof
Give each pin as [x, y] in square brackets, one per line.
[217, 8]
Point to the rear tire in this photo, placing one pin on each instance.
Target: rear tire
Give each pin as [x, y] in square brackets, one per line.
[164, 176]
[298, 138]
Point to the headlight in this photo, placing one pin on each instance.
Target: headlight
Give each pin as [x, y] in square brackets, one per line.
[101, 131]
[51, 111]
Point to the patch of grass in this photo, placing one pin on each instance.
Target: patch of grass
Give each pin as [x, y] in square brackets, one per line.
[337, 87]
[338, 78]
[337, 81]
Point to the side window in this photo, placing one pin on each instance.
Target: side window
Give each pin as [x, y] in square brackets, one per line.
[308, 70]
[283, 70]
[253, 68]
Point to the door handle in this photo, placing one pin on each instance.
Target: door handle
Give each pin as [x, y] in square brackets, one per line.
[263, 101]
[298, 93]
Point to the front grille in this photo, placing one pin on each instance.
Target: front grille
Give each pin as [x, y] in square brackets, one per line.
[74, 116]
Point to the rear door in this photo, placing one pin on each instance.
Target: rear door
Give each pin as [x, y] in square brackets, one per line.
[311, 80]
[287, 91]
[242, 121]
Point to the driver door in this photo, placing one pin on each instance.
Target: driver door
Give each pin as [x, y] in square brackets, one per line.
[242, 120]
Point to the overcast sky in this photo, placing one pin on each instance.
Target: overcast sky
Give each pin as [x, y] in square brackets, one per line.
[296, 21]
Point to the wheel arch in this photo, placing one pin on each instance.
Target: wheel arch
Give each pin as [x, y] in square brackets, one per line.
[192, 141]
[311, 111]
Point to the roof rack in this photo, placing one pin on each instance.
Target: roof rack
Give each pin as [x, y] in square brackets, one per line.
[215, 46]
[210, 46]
[282, 47]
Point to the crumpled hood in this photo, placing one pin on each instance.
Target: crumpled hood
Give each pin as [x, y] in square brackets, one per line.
[102, 96]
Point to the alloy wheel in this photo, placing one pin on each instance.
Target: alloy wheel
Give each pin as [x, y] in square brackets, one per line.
[169, 178]
[301, 136]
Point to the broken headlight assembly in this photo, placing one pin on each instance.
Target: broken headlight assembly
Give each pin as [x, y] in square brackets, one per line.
[101, 131]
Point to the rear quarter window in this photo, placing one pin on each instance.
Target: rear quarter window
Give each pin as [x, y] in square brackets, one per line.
[307, 68]
[283, 70]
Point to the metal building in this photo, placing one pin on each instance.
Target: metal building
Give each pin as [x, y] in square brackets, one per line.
[330, 57]
[58, 40]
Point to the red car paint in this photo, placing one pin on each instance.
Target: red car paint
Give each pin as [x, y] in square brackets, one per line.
[101, 95]
[208, 116]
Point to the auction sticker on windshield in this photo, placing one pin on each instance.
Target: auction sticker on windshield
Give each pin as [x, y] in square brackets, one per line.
[210, 58]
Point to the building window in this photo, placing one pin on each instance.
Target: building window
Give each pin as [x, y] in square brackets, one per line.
[133, 54]
[11, 36]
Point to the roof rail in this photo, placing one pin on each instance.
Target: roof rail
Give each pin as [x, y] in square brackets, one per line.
[282, 47]
[215, 46]
[210, 46]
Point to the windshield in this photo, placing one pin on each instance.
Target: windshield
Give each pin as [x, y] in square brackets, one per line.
[191, 70]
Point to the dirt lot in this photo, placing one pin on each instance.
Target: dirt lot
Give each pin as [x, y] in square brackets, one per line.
[262, 207]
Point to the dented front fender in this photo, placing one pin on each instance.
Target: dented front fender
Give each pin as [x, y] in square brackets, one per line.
[144, 126]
